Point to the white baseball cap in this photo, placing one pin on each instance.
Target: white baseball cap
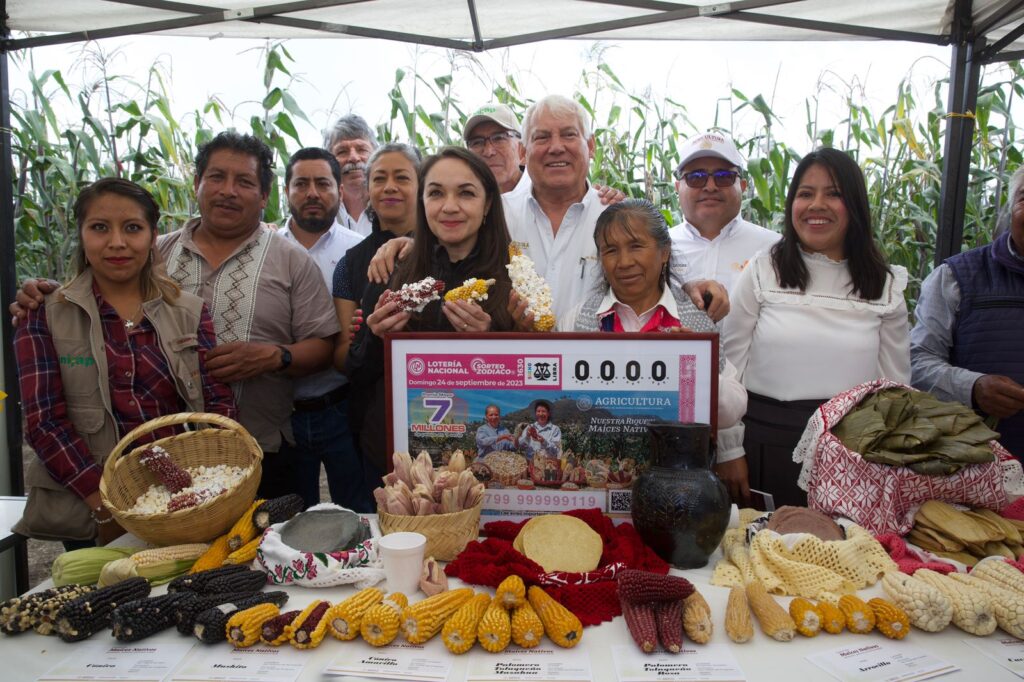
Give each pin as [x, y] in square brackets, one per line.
[496, 113]
[710, 144]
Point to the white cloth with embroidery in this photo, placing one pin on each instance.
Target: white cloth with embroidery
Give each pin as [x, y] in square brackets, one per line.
[360, 566]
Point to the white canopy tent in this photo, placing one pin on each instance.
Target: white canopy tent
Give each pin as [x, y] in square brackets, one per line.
[978, 31]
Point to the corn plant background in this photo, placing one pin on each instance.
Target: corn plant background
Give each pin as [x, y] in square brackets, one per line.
[119, 126]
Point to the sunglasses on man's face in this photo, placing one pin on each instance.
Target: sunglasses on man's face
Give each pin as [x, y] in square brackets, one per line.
[699, 178]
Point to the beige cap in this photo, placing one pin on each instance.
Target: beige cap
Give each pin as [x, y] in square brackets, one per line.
[710, 144]
[497, 113]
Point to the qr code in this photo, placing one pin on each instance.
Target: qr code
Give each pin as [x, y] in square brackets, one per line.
[620, 500]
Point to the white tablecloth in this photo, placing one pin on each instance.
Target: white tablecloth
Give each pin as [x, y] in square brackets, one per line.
[27, 656]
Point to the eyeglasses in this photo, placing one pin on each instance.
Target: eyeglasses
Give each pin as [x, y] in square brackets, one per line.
[699, 178]
[477, 144]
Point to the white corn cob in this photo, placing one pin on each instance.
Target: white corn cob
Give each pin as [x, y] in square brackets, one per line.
[531, 286]
[972, 609]
[1007, 606]
[995, 570]
[928, 608]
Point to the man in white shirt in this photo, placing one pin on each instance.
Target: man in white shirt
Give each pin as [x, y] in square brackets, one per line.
[351, 141]
[554, 222]
[320, 418]
[713, 241]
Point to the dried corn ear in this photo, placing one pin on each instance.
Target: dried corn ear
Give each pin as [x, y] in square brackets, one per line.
[860, 619]
[642, 623]
[972, 610]
[244, 529]
[697, 621]
[196, 581]
[460, 631]
[277, 510]
[669, 615]
[928, 608]
[511, 592]
[527, 629]
[1007, 606]
[210, 626]
[833, 620]
[738, 624]
[382, 621]
[772, 618]
[273, 631]
[423, 620]
[310, 626]
[84, 616]
[345, 617]
[806, 615]
[145, 617]
[890, 620]
[645, 586]
[244, 628]
[495, 628]
[560, 624]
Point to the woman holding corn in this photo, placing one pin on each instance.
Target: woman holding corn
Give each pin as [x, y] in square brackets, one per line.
[460, 234]
[640, 295]
[115, 347]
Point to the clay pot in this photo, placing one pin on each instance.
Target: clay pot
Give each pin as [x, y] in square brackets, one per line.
[680, 508]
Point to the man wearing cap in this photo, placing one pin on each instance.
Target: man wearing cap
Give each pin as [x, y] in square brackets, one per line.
[492, 133]
[713, 241]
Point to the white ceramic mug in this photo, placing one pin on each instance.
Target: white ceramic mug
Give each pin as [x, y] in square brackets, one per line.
[402, 554]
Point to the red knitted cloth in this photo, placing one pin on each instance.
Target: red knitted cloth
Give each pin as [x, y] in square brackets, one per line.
[1013, 511]
[493, 559]
[907, 559]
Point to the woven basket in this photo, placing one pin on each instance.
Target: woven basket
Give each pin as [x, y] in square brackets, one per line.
[125, 479]
[447, 534]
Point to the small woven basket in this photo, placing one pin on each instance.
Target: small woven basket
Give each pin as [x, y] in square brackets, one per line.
[447, 534]
[125, 479]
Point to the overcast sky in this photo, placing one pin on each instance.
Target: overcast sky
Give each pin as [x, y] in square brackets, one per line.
[336, 76]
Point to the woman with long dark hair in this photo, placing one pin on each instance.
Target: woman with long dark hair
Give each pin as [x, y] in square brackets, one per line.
[816, 315]
[460, 234]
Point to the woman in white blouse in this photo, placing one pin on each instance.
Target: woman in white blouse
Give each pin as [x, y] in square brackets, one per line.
[817, 314]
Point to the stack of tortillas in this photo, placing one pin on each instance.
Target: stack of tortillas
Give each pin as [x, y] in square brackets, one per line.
[560, 543]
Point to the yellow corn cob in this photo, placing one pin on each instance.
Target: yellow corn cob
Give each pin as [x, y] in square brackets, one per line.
[381, 622]
[459, 632]
[244, 529]
[928, 608]
[158, 565]
[972, 609]
[697, 618]
[833, 620]
[246, 553]
[344, 618]
[243, 628]
[737, 616]
[527, 630]
[999, 573]
[806, 615]
[495, 629]
[860, 619]
[214, 556]
[310, 626]
[772, 618]
[472, 289]
[560, 624]
[1007, 606]
[511, 592]
[890, 619]
[424, 619]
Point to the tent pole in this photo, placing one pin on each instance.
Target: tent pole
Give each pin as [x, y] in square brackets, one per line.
[965, 72]
[8, 274]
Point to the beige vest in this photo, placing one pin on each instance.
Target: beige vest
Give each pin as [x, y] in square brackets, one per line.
[52, 511]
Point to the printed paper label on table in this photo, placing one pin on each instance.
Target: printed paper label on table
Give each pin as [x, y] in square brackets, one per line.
[881, 662]
[1006, 651]
[601, 392]
[399, 661]
[134, 662]
[540, 664]
[253, 664]
[712, 662]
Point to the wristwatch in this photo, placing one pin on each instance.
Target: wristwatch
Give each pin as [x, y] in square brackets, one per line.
[286, 358]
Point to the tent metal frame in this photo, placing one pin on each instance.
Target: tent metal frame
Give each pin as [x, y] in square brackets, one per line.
[970, 51]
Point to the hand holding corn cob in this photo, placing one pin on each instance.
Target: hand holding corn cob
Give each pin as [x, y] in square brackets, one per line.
[531, 286]
[472, 289]
[415, 296]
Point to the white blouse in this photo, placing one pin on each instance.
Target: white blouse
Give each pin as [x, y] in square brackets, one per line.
[793, 345]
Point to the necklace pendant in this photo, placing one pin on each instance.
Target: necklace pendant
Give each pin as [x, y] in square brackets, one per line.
[129, 325]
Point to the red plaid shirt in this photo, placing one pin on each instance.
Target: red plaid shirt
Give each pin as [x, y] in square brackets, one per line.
[141, 388]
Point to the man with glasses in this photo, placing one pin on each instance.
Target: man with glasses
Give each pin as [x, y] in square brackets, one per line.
[713, 241]
[492, 133]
